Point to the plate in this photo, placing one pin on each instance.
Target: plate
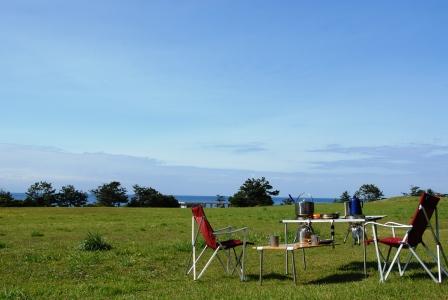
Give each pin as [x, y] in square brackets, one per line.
[303, 216]
[330, 216]
[325, 242]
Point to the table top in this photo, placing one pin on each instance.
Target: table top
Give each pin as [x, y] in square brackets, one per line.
[338, 220]
[293, 246]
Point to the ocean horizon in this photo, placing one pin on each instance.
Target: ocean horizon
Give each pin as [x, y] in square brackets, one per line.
[193, 198]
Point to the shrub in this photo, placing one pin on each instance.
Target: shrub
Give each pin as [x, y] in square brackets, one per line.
[95, 242]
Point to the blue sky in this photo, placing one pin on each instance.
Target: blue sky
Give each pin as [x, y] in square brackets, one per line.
[316, 96]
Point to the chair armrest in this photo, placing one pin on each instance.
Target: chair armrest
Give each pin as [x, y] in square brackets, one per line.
[397, 224]
[227, 229]
[388, 225]
[231, 231]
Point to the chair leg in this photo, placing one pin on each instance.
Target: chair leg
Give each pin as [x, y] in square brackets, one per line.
[408, 260]
[243, 259]
[378, 255]
[228, 261]
[387, 258]
[438, 264]
[208, 263]
[237, 261]
[443, 255]
[423, 264]
[188, 263]
[437, 259]
[197, 259]
[393, 261]
[222, 264]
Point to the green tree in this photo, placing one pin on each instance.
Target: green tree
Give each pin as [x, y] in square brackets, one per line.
[149, 197]
[430, 192]
[110, 194]
[369, 192]
[40, 194]
[69, 196]
[254, 192]
[345, 196]
[6, 198]
[220, 200]
[288, 201]
[415, 191]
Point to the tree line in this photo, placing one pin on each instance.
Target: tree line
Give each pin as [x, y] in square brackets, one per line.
[109, 194]
[253, 192]
[370, 192]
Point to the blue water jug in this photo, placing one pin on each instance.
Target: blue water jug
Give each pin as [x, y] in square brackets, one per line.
[355, 206]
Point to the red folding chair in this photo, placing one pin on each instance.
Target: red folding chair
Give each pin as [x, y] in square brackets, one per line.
[412, 238]
[211, 241]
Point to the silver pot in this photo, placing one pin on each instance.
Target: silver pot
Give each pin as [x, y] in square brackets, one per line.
[304, 208]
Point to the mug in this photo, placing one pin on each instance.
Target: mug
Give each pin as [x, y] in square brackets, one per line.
[346, 208]
[274, 240]
[314, 240]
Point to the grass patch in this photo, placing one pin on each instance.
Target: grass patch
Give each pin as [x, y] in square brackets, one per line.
[36, 233]
[94, 242]
[2, 245]
[150, 263]
[14, 294]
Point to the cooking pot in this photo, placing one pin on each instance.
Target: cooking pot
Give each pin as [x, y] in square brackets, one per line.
[304, 206]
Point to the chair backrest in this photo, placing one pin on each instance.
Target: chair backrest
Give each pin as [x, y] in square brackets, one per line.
[205, 228]
[419, 221]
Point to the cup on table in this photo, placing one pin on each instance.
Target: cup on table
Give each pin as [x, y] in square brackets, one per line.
[274, 240]
[346, 208]
[314, 240]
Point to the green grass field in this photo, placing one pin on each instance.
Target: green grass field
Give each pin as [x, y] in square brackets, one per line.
[40, 256]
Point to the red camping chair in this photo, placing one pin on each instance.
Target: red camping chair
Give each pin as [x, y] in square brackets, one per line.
[411, 239]
[212, 242]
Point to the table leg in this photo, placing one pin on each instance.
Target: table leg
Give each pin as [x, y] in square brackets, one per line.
[332, 233]
[304, 258]
[261, 266]
[286, 252]
[348, 232]
[294, 267]
[364, 249]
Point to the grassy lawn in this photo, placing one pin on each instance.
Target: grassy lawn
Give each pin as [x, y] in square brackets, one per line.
[40, 256]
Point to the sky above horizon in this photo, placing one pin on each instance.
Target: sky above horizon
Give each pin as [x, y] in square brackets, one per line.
[193, 97]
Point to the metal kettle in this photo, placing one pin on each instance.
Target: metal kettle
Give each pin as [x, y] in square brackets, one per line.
[304, 233]
[355, 206]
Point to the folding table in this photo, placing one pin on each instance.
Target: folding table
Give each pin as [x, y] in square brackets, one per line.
[331, 222]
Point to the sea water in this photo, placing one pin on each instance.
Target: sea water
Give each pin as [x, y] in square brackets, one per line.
[190, 198]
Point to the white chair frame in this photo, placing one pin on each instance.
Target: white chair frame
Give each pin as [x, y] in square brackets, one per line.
[239, 259]
[383, 261]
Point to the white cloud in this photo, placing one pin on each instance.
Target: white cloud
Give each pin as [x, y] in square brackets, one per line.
[393, 169]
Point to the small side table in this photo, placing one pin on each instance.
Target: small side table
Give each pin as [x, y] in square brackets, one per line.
[284, 247]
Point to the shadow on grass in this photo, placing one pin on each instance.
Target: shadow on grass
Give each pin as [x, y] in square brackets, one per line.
[358, 266]
[339, 278]
[267, 276]
[373, 266]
